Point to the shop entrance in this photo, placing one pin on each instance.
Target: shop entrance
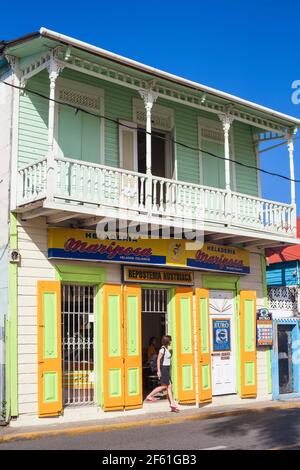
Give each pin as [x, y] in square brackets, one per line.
[154, 326]
[78, 344]
[222, 342]
[285, 364]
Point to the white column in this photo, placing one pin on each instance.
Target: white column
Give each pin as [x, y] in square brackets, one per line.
[226, 120]
[290, 145]
[53, 70]
[149, 98]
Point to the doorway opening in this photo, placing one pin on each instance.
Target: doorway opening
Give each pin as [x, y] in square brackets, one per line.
[154, 327]
[78, 344]
[162, 155]
[285, 364]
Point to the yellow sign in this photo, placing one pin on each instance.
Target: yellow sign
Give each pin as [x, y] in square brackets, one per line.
[84, 245]
[157, 276]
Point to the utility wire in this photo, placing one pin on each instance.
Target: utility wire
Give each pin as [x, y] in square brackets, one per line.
[159, 136]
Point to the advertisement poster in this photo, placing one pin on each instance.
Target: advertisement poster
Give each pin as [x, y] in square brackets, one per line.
[264, 327]
[221, 334]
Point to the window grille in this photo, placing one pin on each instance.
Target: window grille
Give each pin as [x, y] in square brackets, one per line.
[77, 98]
[282, 298]
[78, 344]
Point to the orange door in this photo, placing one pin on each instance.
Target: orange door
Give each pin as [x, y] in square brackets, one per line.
[132, 347]
[203, 339]
[248, 343]
[113, 349]
[185, 345]
[49, 348]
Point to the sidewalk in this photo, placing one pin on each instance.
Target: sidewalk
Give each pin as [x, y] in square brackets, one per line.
[10, 433]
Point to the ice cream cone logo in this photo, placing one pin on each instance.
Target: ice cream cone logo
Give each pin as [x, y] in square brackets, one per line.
[176, 252]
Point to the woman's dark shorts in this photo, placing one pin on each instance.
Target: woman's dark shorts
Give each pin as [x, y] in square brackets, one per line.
[165, 375]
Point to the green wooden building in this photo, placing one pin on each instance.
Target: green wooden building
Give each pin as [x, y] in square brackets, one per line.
[93, 140]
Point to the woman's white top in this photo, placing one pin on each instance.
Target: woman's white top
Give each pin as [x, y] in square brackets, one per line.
[166, 356]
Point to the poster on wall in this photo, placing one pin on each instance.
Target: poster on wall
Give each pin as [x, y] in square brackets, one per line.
[84, 245]
[221, 334]
[264, 327]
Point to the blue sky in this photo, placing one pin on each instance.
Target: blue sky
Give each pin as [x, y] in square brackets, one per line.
[250, 49]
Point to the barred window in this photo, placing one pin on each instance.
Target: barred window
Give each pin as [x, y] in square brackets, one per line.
[282, 298]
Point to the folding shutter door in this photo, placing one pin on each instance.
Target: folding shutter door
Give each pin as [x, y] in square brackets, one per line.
[185, 345]
[248, 344]
[133, 347]
[203, 339]
[113, 354]
[49, 348]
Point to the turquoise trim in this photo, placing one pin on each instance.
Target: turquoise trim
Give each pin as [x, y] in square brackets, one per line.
[274, 357]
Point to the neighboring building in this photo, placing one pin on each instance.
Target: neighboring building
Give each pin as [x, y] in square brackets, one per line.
[81, 310]
[283, 281]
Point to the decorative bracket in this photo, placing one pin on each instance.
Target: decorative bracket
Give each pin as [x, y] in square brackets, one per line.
[54, 69]
[14, 65]
[149, 98]
[227, 120]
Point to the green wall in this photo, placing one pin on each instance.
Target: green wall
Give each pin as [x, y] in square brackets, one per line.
[118, 105]
[33, 121]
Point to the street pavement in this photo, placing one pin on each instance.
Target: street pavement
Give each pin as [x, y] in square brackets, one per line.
[270, 429]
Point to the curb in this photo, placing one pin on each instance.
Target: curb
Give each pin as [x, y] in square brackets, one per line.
[150, 422]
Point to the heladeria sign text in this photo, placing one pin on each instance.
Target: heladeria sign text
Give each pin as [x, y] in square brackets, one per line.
[84, 245]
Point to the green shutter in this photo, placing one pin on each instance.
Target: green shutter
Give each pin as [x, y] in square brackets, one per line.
[70, 132]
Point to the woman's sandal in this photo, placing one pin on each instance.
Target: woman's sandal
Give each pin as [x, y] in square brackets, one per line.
[175, 409]
[151, 400]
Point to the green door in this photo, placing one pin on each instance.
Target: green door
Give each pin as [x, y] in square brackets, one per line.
[79, 135]
[213, 168]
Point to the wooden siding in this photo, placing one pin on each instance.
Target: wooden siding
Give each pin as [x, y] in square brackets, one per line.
[32, 242]
[244, 152]
[281, 274]
[33, 121]
[118, 106]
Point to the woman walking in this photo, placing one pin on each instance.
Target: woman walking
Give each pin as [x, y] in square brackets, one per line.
[163, 374]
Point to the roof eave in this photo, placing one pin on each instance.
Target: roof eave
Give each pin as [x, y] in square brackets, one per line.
[166, 75]
[290, 120]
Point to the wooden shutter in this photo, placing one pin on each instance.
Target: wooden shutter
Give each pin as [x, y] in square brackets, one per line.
[70, 132]
[113, 354]
[90, 145]
[185, 345]
[128, 146]
[132, 347]
[203, 338]
[128, 161]
[248, 344]
[49, 348]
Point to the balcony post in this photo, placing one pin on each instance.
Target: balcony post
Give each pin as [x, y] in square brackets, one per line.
[149, 98]
[227, 120]
[53, 70]
[290, 145]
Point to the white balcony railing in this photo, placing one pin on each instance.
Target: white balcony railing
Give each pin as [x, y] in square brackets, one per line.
[80, 183]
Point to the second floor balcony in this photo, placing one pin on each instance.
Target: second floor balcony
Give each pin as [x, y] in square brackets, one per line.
[96, 138]
[99, 191]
